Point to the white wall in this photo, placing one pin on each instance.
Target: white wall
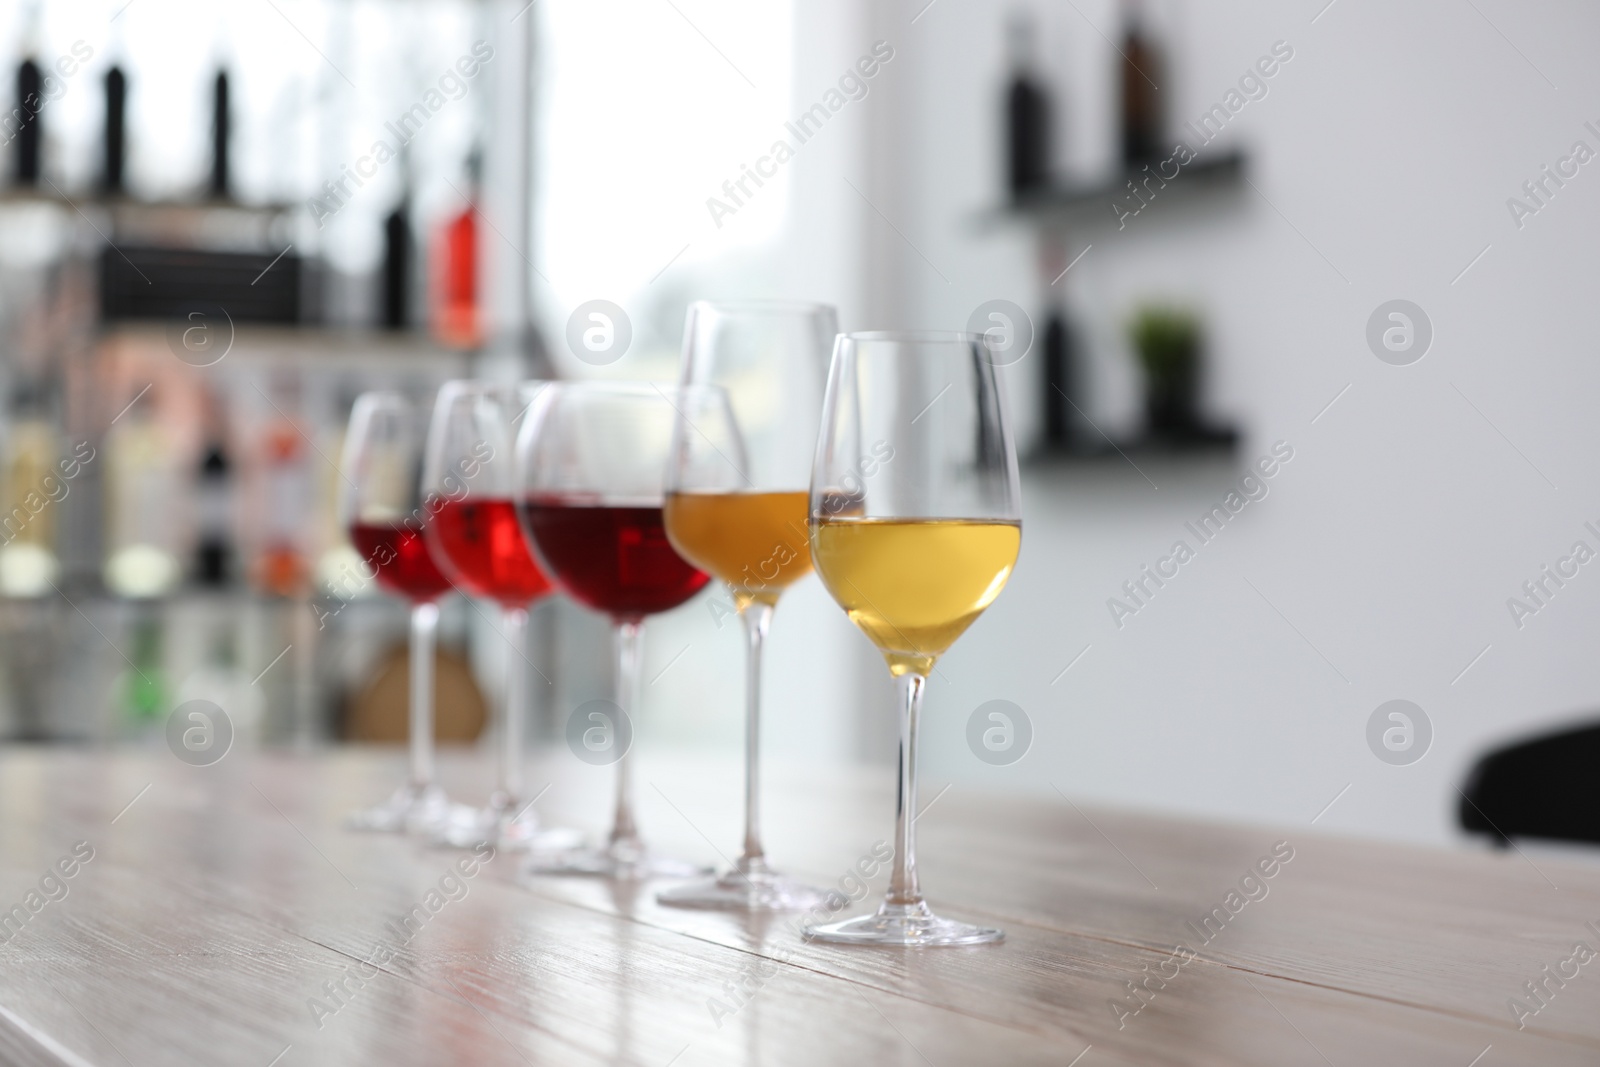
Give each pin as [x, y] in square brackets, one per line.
[1407, 518]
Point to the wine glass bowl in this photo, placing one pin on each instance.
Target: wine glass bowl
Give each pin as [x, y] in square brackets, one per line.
[913, 586]
[612, 557]
[471, 465]
[915, 527]
[399, 555]
[754, 541]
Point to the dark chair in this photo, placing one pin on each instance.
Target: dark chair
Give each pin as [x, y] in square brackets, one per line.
[1545, 787]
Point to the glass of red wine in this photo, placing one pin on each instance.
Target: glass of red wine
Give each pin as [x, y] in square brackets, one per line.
[383, 510]
[470, 470]
[591, 462]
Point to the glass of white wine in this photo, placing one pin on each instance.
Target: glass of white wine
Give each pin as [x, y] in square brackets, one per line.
[915, 525]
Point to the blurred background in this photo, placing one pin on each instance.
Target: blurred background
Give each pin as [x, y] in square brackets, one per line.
[221, 222]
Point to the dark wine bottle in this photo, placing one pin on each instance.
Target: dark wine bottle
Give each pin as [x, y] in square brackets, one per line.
[1027, 117]
[30, 100]
[220, 132]
[116, 127]
[1141, 105]
[213, 497]
[1062, 398]
[397, 268]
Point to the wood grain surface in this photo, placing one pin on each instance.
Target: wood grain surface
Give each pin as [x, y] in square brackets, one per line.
[225, 918]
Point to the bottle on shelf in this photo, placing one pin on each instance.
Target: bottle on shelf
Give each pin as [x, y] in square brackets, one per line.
[220, 677]
[1142, 73]
[22, 122]
[1028, 162]
[213, 501]
[115, 147]
[30, 101]
[340, 568]
[33, 490]
[456, 320]
[397, 267]
[144, 683]
[142, 498]
[280, 514]
[1060, 385]
[114, 134]
[221, 123]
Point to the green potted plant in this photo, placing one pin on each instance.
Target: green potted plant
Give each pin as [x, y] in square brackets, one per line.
[1166, 341]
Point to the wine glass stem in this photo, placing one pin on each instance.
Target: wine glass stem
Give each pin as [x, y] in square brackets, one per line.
[756, 616]
[630, 647]
[424, 627]
[514, 714]
[903, 887]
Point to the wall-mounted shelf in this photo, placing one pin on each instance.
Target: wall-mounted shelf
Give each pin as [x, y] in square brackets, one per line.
[1211, 443]
[218, 224]
[22, 195]
[1086, 202]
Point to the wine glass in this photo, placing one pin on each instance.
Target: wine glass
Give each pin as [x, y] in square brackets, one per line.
[470, 469]
[383, 511]
[915, 527]
[746, 522]
[591, 457]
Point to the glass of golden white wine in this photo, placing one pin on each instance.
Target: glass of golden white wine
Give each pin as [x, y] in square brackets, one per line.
[740, 512]
[915, 522]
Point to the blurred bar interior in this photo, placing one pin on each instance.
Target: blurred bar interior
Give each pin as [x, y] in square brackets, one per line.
[188, 306]
[220, 222]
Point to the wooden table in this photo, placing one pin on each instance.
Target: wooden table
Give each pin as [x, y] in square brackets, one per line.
[220, 903]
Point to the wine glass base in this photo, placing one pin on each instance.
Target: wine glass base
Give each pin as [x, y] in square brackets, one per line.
[508, 825]
[626, 863]
[414, 809]
[745, 890]
[907, 925]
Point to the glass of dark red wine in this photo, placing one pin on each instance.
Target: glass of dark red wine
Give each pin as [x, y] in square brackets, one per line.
[470, 477]
[385, 513]
[591, 462]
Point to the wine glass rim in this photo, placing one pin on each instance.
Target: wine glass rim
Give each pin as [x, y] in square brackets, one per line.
[633, 387]
[916, 336]
[372, 398]
[762, 305]
[482, 385]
